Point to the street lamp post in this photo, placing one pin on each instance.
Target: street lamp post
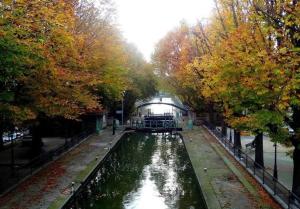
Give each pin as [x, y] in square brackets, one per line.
[275, 172]
[12, 154]
[114, 126]
[123, 109]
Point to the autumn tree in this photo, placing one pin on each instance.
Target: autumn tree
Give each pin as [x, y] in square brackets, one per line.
[16, 60]
[247, 65]
[172, 58]
[62, 60]
[142, 82]
[282, 21]
[55, 88]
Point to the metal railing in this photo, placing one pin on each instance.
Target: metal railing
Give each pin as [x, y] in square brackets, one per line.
[154, 124]
[21, 171]
[284, 196]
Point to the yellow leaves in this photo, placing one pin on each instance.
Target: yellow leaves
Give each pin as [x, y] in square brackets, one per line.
[246, 60]
[78, 58]
[283, 50]
[20, 114]
[237, 122]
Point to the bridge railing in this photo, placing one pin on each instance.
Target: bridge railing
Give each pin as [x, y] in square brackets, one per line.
[179, 106]
[154, 124]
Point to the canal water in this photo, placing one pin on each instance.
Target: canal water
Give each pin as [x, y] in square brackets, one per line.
[144, 171]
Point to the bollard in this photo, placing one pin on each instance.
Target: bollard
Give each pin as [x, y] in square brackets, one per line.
[72, 187]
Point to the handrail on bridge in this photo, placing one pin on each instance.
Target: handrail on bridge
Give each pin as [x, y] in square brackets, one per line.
[164, 103]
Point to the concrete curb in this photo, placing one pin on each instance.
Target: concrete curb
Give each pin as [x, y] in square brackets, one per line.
[61, 203]
[208, 192]
[267, 189]
[10, 189]
[236, 172]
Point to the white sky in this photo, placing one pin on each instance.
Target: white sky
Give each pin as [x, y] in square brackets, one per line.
[145, 22]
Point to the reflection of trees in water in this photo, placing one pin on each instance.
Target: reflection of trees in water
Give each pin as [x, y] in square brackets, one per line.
[188, 181]
[173, 174]
[163, 171]
[122, 173]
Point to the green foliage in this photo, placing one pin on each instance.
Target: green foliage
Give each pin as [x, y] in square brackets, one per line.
[15, 62]
[244, 61]
[64, 59]
[173, 60]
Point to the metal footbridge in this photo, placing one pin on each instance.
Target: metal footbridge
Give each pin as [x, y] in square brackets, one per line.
[156, 123]
[159, 99]
[159, 122]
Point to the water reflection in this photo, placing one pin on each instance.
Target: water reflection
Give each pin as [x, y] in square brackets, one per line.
[145, 171]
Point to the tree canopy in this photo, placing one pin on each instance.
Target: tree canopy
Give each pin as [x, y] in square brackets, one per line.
[64, 59]
[245, 62]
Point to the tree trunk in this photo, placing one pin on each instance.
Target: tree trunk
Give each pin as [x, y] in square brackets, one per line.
[230, 135]
[224, 129]
[237, 139]
[221, 18]
[295, 124]
[68, 129]
[259, 151]
[36, 138]
[296, 173]
[237, 142]
[1, 137]
[211, 114]
[234, 14]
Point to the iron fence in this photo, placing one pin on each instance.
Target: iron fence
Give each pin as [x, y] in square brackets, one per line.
[21, 171]
[154, 124]
[282, 194]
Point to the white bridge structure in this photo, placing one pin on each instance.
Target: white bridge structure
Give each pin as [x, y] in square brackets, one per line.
[149, 120]
[162, 99]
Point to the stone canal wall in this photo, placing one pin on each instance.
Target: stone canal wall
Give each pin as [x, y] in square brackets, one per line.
[224, 183]
[53, 185]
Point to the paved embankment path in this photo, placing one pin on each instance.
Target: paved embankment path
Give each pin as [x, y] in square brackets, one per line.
[51, 186]
[224, 184]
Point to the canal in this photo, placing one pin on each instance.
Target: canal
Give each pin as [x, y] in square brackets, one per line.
[144, 171]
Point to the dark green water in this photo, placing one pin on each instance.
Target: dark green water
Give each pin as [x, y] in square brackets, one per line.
[145, 171]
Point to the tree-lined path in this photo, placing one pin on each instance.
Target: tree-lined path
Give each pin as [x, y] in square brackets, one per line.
[224, 183]
[241, 68]
[67, 68]
[52, 185]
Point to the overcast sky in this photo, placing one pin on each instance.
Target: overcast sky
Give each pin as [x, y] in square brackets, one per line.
[145, 22]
